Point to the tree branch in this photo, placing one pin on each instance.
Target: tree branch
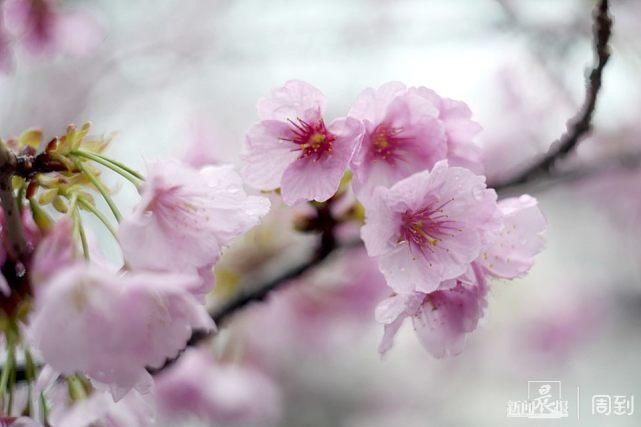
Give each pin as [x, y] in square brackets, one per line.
[16, 244]
[580, 125]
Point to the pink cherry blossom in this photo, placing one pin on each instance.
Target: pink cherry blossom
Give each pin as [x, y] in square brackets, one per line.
[18, 422]
[203, 141]
[135, 409]
[111, 326]
[33, 22]
[520, 239]
[186, 216]
[42, 28]
[292, 147]
[429, 227]
[460, 130]
[442, 318]
[54, 252]
[226, 394]
[402, 136]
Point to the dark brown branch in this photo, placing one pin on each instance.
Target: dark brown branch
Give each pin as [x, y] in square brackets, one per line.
[327, 246]
[16, 244]
[580, 125]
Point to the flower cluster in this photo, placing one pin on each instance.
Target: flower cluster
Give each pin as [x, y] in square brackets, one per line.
[99, 324]
[432, 224]
[400, 170]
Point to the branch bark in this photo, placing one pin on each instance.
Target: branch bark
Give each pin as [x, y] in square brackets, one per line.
[16, 244]
[581, 124]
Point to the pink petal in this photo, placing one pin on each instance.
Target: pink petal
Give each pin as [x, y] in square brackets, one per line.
[512, 255]
[312, 179]
[371, 105]
[268, 155]
[291, 101]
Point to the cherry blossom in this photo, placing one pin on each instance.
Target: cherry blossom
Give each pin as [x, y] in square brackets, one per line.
[55, 252]
[218, 393]
[428, 227]
[520, 239]
[402, 136]
[111, 326]
[42, 28]
[442, 318]
[293, 149]
[460, 129]
[6, 53]
[186, 217]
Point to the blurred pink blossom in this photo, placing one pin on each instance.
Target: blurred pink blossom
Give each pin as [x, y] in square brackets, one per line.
[55, 252]
[6, 53]
[199, 386]
[42, 28]
[112, 326]
[442, 318]
[201, 148]
[186, 217]
[18, 422]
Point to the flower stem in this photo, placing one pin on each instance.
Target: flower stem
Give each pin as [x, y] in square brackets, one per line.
[101, 189]
[77, 225]
[83, 236]
[6, 372]
[91, 208]
[44, 409]
[126, 172]
[121, 166]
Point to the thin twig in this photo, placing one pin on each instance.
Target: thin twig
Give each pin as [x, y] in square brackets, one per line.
[261, 292]
[626, 162]
[580, 125]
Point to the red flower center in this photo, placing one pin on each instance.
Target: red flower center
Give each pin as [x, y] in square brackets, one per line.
[386, 141]
[313, 139]
[425, 228]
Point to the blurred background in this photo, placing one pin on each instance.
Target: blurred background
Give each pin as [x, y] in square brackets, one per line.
[182, 77]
